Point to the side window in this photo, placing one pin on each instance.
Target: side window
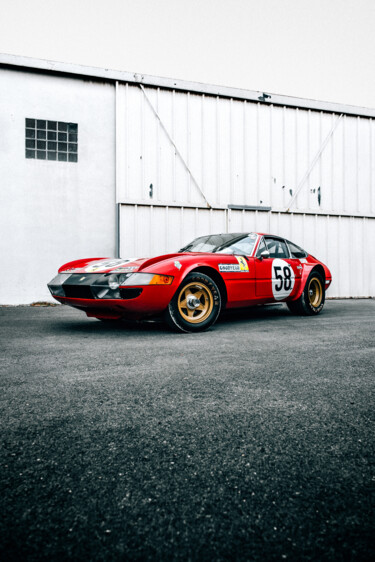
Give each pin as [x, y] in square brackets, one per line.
[296, 251]
[261, 248]
[277, 248]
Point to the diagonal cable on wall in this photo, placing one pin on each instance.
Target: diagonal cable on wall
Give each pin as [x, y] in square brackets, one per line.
[173, 143]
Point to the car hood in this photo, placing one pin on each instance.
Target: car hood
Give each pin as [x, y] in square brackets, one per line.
[106, 265]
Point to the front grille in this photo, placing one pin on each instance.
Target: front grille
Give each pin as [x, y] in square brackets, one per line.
[78, 291]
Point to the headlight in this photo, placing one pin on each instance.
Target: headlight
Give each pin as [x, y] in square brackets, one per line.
[147, 279]
[109, 286]
[114, 281]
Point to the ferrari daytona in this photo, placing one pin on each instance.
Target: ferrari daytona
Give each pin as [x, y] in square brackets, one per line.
[191, 287]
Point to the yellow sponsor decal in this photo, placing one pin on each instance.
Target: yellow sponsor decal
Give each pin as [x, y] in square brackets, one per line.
[243, 263]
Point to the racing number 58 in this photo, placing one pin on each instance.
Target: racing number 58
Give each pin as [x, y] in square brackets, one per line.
[284, 280]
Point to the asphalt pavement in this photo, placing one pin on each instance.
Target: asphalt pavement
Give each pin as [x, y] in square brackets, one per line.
[252, 441]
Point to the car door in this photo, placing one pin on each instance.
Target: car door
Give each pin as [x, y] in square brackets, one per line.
[237, 270]
[263, 271]
[278, 274]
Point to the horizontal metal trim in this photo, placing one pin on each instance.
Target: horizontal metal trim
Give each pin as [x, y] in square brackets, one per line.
[181, 85]
[171, 205]
[175, 205]
[249, 208]
[323, 213]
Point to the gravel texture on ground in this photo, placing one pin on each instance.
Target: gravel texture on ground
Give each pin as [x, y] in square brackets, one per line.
[252, 441]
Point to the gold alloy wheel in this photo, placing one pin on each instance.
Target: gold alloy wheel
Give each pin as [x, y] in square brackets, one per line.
[195, 302]
[315, 292]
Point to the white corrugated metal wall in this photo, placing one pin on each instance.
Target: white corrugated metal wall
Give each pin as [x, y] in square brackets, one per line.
[182, 158]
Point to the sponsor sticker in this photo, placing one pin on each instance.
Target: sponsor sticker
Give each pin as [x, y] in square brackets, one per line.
[229, 267]
[243, 263]
[241, 266]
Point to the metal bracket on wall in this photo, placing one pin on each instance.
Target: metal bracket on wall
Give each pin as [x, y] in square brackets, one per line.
[314, 161]
[174, 145]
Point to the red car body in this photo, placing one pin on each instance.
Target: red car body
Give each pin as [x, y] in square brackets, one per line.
[241, 280]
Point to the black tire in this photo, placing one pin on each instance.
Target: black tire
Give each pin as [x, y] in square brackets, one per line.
[312, 300]
[195, 305]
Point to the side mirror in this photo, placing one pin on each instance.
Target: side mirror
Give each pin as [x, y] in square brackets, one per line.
[264, 254]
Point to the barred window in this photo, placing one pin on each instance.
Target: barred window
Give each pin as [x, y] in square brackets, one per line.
[51, 140]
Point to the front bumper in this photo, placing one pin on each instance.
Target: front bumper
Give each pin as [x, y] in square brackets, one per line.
[85, 292]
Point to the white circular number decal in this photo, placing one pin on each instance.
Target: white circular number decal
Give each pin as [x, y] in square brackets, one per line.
[108, 264]
[282, 279]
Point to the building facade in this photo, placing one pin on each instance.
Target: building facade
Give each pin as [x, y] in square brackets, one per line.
[98, 163]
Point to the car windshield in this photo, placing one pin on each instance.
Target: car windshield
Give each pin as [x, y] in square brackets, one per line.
[242, 244]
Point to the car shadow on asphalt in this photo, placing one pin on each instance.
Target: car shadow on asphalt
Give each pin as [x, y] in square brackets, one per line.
[229, 317]
[260, 312]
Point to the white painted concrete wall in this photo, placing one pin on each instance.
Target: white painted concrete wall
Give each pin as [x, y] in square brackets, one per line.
[53, 212]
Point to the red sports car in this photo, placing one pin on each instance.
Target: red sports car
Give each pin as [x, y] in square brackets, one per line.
[192, 286]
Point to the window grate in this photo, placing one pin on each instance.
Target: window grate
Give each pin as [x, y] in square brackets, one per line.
[51, 140]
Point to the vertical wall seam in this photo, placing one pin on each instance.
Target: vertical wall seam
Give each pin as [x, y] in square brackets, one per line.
[174, 187]
[270, 181]
[257, 154]
[245, 178]
[343, 197]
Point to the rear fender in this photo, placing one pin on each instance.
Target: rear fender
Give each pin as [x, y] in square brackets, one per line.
[307, 269]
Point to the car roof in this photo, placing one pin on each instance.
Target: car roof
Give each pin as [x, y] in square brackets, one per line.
[245, 234]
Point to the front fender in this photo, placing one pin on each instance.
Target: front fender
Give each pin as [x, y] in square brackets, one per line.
[185, 270]
[180, 269]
